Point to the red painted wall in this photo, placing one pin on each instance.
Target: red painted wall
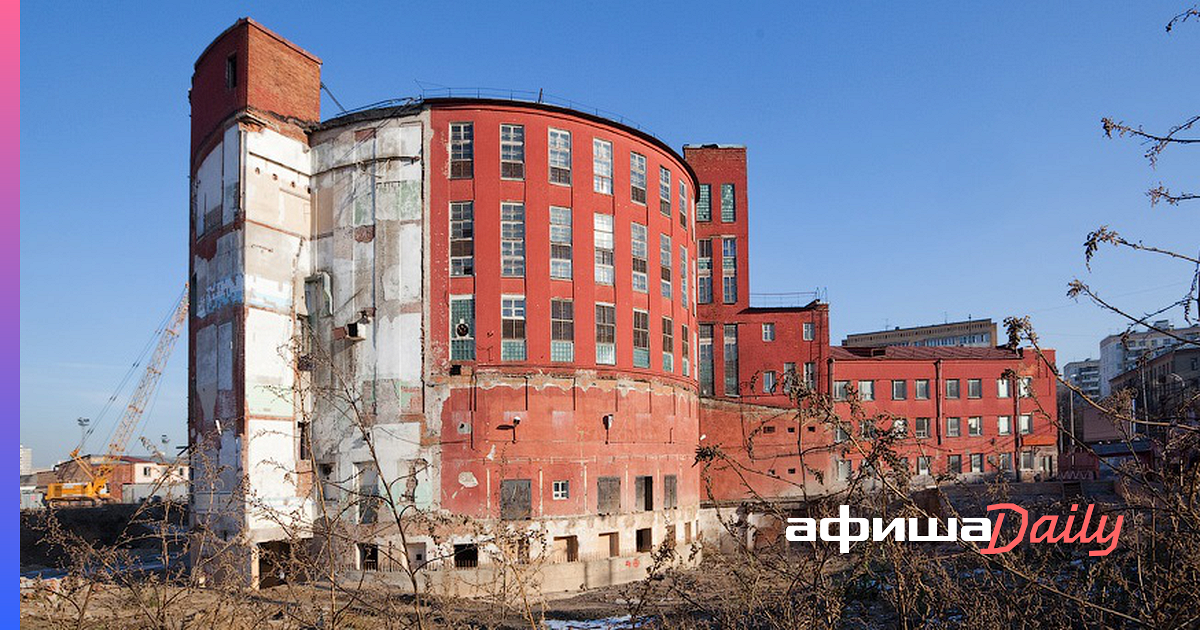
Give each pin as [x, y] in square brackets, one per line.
[561, 434]
[487, 191]
[758, 440]
[273, 76]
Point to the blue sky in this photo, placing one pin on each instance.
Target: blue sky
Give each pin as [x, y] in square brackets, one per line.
[920, 162]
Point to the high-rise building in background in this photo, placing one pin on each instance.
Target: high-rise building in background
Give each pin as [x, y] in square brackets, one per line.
[1121, 353]
[1084, 376]
[975, 333]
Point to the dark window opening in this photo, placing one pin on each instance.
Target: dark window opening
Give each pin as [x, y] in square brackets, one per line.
[368, 556]
[466, 556]
[231, 75]
[645, 541]
[273, 559]
[644, 493]
[305, 451]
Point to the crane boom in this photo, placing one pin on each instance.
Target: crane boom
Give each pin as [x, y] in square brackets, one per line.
[96, 488]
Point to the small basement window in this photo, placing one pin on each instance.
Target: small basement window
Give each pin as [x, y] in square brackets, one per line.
[368, 556]
[466, 556]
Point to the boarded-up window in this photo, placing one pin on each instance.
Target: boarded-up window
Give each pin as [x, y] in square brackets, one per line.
[608, 493]
[515, 500]
[669, 492]
[643, 489]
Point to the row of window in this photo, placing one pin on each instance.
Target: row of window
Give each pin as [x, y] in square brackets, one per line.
[512, 248]
[562, 333]
[808, 331]
[704, 270]
[771, 383]
[516, 495]
[954, 427]
[954, 464]
[865, 389]
[559, 145]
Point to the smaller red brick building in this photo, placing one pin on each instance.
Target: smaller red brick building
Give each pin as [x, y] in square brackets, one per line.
[958, 407]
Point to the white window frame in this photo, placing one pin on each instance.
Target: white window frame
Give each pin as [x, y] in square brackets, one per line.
[462, 230]
[512, 239]
[512, 151]
[768, 331]
[602, 166]
[602, 235]
[559, 155]
[561, 268]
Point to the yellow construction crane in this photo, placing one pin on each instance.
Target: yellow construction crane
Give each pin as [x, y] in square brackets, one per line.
[95, 490]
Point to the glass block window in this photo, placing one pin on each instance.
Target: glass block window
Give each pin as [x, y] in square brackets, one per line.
[664, 262]
[560, 156]
[664, 191]
[562, 330]
[512, 327]
[728, 207]
[512, 239]
[704, 204]
[641, 339]
[462, 238]
[706, 359]
[602, 166]
[606, 334]
[560, 243]
[668, 344]
[462, 328]
[639, 252]
[637, 177]
[603, 234]
[462, 150]
[729, 270]
[512, 151]
[731, 360]
[704, 271]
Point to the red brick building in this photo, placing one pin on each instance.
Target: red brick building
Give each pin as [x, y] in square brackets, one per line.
[959, 413]
[537, 313]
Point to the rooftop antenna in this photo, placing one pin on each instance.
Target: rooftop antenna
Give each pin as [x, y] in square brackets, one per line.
[540, 94]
